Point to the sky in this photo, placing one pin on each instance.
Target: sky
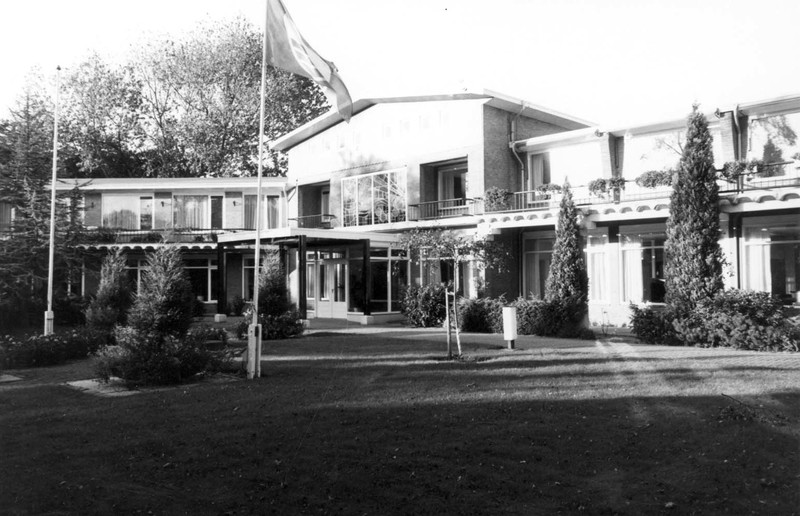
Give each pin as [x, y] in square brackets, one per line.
[611, 62]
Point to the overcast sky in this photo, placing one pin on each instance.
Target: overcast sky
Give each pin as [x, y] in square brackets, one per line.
[612, 62]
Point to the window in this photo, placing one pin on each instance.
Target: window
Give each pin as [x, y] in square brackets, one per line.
[643, 267]
[270, 210]
[6, 216]
[453, 181]
[378, 198]
[191, 211]
[539, 171]
[216, 212]
[145, 213]
[538, 255]
[203, 274]
[772, 257]
[774, 139]
[121, 211]
[325, 202]
[596, 266]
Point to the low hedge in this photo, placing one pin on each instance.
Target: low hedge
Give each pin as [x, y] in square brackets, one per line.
[35, 350]
[424, 305]
[273, 327]
[534, 317]
[734, 318]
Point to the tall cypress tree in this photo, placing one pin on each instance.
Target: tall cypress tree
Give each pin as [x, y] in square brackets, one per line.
[567, 280]
[693, 268]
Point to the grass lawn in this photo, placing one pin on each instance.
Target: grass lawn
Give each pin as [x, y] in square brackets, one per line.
[378, 423]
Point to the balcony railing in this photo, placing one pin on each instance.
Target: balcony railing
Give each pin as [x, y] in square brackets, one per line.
[105, 236]
[323, 221]
[441, 209]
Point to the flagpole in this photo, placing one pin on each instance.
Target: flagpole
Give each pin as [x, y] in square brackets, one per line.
[254, 340]
[49, 315]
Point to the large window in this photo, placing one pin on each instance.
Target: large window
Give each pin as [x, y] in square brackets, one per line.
[191, 211]
[538, 254]
[121, 211]
[772, 257]
[774, 139]
[378, 198]
[453, 181]
[643, 267]
[270, 208]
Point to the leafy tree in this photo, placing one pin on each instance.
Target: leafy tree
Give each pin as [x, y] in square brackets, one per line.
[693, 268]
[101, 120]
[456, 248]
[567, 279]
[200, 98]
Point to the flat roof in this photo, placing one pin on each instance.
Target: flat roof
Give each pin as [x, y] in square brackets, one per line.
[288, 233]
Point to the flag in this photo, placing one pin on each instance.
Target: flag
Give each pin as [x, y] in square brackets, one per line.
[288, 50]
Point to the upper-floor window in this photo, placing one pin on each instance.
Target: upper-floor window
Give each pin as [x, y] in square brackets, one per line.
[452, 181]
[270, 208]
[774, 140]
[377, 198]
[121, 211]
[661, 151]
[197, 211]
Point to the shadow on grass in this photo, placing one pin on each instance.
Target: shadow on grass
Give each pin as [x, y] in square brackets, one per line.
[315, 446]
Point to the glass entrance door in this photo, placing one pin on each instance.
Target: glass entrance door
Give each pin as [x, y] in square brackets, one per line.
[332, 291]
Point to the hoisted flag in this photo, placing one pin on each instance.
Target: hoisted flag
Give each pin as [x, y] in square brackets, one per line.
[288, 50]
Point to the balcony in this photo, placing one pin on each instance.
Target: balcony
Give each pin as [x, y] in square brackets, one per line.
[441, 209]
[116, 236]
[323, 221]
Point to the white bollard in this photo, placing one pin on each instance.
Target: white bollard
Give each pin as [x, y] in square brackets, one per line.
[510, 325]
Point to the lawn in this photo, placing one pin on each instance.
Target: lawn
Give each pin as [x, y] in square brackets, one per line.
[379, 423]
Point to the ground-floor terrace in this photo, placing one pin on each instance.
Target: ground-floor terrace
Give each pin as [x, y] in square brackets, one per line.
[361, 276]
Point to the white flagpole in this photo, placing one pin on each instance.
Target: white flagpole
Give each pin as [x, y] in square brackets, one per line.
[254, 339]
[48, 315]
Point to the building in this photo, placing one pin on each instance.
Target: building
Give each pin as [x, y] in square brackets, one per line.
[440, 162]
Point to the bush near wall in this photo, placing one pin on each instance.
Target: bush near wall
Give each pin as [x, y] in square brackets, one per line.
[734, 318]
[534, 317]
[424, 305]
[273, 327]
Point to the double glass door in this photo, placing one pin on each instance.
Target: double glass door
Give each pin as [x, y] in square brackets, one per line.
[332, 289]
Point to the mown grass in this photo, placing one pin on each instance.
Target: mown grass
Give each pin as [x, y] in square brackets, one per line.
[380, 424]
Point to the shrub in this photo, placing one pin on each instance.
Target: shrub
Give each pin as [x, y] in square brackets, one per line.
[424, 306]
[556, 318]
[741, 320]
[236, 305]
[653, 326]
[165, 302]
[273, 294]
[482, 315]
[142, 358]
[273, 327]
[36, 350]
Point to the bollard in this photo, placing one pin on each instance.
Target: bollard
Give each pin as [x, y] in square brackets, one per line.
[510, 325]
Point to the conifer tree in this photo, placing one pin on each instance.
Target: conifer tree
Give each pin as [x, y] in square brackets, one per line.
[110, 306]
[567, 280]
[693, 268]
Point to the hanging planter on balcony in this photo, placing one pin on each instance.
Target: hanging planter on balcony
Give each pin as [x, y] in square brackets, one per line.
[655, 178]
[497, 199]
[547, 190]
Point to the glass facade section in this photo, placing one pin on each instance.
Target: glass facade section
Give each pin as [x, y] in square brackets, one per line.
[772, 259]
[643, 268]
[377, 198]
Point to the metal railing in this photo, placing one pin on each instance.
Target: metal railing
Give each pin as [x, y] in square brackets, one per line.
[441, 209]
[103, 235]
[322, 221]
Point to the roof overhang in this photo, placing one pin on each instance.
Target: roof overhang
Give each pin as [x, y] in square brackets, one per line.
[167, 183]
[313, 236]
[494, 99]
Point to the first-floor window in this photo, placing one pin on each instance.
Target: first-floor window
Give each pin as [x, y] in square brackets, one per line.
[643, 268]
[202, 274]
[378, 198]
[270, 209]
[772, 257]
[538, 255]
[596, 266]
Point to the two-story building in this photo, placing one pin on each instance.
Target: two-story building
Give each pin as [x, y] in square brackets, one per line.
[428, 162]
